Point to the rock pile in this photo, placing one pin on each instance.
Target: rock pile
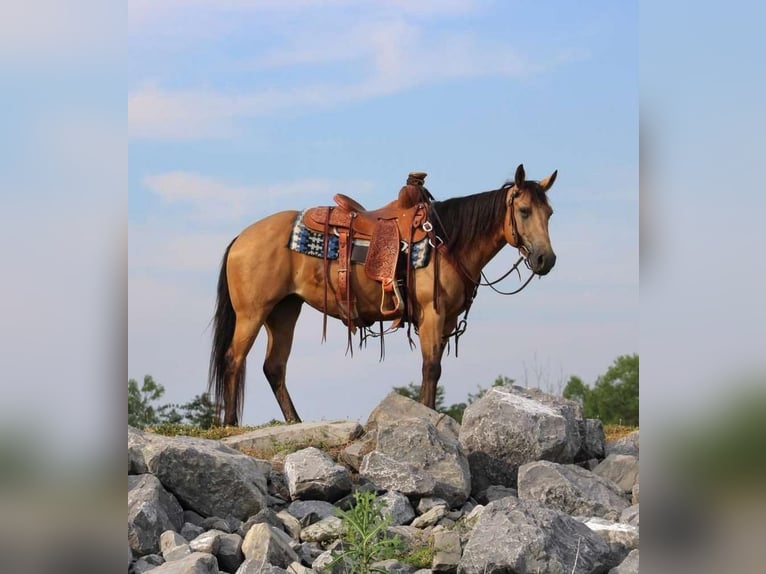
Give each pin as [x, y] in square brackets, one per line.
[525, 484]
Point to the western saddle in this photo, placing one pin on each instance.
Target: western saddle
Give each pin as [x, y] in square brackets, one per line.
[380, 239]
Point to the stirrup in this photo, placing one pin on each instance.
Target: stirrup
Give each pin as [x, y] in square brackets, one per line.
[396, 300]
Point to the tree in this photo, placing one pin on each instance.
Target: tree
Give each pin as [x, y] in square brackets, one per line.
[200, 411]
[140, 411]
[614, 397]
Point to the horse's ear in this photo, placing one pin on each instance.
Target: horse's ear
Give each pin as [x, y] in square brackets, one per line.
[520, 176]
[548, 181]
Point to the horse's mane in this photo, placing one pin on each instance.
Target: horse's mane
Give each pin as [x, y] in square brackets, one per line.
[461, 221]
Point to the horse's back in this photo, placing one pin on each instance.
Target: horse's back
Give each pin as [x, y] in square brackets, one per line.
[260, 256]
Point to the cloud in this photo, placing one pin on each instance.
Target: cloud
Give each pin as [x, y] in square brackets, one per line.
[211, 199]
[380, 57]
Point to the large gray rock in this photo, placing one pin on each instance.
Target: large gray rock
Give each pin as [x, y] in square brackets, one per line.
[571, 489]
[206, 476]
[621, 538]
[627, 566]
[313, 475]
[136, 442]
[310, 511]
[593, 443]
[266, 543]
[229, 553]
[630, 515]
[328, 433]
[446, 551]
[626, 445]
[194, 563]
[511, 426]
[526, 537]
[396, 407]
[151, 511]
[398, 507]
[327, 529]
[353, 454]
[622, 469]
[425, 454]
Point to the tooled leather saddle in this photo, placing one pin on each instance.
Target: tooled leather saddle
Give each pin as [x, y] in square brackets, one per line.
[386, 233]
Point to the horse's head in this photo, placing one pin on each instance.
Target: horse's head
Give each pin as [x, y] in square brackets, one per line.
[526, 220]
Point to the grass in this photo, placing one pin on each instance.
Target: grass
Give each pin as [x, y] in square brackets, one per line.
[213, 433]
[614, 432]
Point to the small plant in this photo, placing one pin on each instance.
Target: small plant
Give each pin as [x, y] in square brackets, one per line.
[421, 556]
[365, 539]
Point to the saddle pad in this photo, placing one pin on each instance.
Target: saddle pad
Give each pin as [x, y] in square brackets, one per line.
[308, 242]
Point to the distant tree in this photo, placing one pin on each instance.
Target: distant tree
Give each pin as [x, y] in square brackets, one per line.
[614, 396]
[200, 411]
[576, 390]
[141, 413]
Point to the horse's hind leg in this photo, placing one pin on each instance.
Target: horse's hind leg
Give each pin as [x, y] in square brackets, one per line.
[280, 326]
[245, 332]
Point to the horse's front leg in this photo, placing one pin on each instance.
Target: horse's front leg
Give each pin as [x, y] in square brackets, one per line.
[432, 347]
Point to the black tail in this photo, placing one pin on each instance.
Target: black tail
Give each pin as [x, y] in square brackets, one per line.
[224, 321]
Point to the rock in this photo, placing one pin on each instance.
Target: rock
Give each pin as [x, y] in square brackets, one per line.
[511, 426]
[621, 469]
[425, 454]
[169, 540]
[266, 542]
[515, 535]
[621, 538]
[309, 551]
[329, 528]
[354, 453]
[571, 489]
[396, 407]
[446, 551]
[298, 568]
[312, 474]
[191, 531]
[393, 566]
[625, 445]
[193, 518]
[630, 515]
[137, 440]
[207, 542]
[430, 518]
[593, 442]
[495, 492]
[216, 523]
[322, 564]
[635, 498]
[387, 473]
[177, 553]
[398, 507]
[310, 511]
[206, 476]
[146, 563]
[151, 511]
[264, 515]
[229, 553]
[278, 485]
[194, 563]
[259, 567]
[428, 502]
[329, 434]
[290, 524]
[627, 566]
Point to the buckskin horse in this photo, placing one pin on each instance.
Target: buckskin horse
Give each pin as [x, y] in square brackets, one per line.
[360, 266]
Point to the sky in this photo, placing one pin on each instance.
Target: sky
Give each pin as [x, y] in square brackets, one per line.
[240, 109]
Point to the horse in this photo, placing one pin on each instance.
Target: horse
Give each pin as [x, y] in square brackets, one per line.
[263, 283]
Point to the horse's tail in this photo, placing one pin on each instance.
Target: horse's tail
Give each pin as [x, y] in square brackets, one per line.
[224, 321]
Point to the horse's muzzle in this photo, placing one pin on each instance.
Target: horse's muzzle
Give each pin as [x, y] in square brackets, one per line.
[542, 262]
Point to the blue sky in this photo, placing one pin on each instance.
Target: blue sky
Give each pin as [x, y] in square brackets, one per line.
[240, 109]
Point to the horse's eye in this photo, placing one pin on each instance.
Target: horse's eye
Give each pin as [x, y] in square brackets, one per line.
[525, 212]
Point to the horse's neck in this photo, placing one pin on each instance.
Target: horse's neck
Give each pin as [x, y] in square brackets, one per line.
[475, 259]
